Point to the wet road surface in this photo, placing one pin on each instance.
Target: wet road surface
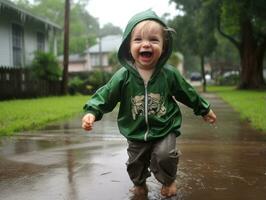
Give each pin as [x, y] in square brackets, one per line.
[224, 161]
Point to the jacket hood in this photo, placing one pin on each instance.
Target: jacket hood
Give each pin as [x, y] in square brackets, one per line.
[124, 56]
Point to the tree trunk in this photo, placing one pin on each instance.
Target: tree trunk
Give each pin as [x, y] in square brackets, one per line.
[251, 54]
[251, 76]
[203, 73]
[66, 48]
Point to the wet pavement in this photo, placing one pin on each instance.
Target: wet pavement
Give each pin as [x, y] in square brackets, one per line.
[223, 161]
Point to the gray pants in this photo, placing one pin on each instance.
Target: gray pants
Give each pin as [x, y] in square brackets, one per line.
[160, 156]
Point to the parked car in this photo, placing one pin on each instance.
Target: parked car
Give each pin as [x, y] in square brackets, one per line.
[195, 76]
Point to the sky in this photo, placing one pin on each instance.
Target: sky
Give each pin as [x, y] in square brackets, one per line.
[118, 12]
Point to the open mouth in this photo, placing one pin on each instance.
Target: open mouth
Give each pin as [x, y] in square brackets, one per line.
[146, 54]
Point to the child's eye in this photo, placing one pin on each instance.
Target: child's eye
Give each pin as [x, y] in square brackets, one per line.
[154, 40]
[137, 39]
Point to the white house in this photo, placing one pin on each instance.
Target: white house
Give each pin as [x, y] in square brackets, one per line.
[95, 57]
[22, 34]
[100, 52]
[77, 62]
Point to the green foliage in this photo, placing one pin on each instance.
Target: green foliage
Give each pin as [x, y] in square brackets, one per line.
[88, 83]
[194, 29]
[46, 67]
[113, 61]
[23, 4]
[235, 12]
[80, 85]
[75, 85]
[17, 115]
[98, 78]
[83, 26]
[83, 29]
[228, 79]
[175, 59]
[230, 13]
[110, 29]
[241, 22]
[191, 63]
[225, 51]
[77, 44]
[50, 9]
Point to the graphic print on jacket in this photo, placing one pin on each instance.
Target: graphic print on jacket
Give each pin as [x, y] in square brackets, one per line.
[155, 105]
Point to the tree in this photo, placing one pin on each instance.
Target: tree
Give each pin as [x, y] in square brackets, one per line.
[195, 31]
[84, 27]
[110, 29]
[83, 32]
[23, 4]
[243, 23]
[224, 58]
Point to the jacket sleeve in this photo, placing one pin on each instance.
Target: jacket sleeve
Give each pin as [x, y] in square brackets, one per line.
[105, 98]
[186, 94]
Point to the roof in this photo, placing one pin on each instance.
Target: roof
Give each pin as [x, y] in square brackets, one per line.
[108, 44]
[24, 13]
[73, 58]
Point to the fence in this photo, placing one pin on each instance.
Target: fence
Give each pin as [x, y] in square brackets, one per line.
[19, 83]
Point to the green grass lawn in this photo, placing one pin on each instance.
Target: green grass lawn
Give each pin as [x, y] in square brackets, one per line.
[19, 115]
[250, 104]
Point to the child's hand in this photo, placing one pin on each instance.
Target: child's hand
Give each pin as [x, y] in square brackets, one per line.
[87, 121]
[210, 117]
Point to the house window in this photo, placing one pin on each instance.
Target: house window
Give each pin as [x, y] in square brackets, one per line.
[17, 42]
[95, 60]
[40, 41]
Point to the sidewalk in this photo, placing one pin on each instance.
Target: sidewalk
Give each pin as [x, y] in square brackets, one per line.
[224, 161]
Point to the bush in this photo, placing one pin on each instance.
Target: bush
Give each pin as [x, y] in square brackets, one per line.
[97, 79]
[46, 67]
[229, 78]
[84, 83]
[75, 85]
[113, 61]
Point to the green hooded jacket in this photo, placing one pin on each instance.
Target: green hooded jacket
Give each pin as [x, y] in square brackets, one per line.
[146, 112]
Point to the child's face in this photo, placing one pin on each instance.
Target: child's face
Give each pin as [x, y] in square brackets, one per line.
[146, 44]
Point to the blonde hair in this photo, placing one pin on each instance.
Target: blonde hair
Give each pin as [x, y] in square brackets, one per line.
[149, 24]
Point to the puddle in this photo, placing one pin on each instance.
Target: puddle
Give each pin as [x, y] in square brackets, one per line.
[224, 161]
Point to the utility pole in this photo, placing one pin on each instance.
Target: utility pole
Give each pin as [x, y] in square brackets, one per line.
[100, 51]
[100, 44]
[66, 48]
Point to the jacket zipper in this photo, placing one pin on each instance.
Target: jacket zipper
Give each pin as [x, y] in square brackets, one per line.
[146, 112]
